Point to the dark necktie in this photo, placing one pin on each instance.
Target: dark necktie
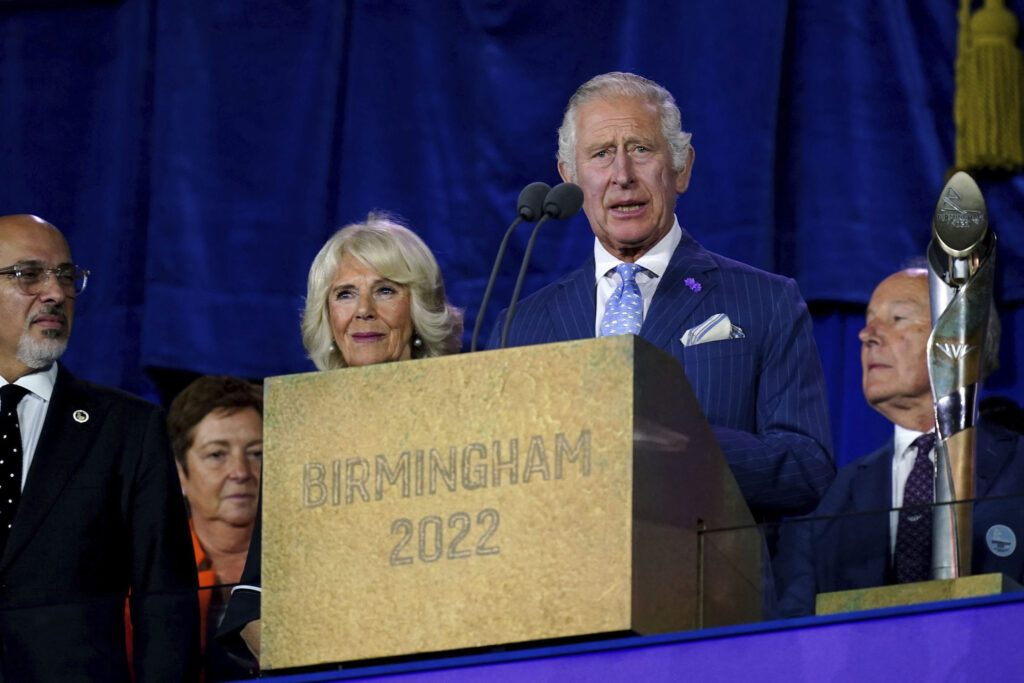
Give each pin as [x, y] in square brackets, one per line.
[914, 531]
[10, 457]
[624, 312]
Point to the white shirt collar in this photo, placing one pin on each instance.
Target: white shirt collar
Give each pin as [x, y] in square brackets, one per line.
[39, 383]
[902, 438]
[656, 260]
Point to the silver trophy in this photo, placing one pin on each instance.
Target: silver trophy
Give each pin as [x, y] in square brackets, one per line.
[961, 264]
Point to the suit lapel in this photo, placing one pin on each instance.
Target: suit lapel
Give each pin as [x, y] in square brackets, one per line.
[674, 301]
[874, 469]
[63, 443]
[572, 312]
[992, 453]
[871, 498]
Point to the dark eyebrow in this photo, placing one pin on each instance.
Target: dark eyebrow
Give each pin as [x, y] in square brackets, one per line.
[36, 263]
[213, 442]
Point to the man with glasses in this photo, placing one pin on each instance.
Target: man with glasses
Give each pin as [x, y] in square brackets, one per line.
[89, 507]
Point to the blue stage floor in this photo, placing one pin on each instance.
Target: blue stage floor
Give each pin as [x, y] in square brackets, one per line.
[976, 639]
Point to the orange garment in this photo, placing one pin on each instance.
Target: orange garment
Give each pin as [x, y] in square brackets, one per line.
[206, 580]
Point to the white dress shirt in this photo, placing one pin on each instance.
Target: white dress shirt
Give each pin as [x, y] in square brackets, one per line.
[654, 263]
[902, 462]
[32, 412]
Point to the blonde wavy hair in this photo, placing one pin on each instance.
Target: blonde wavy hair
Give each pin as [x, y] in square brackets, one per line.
[394, 252]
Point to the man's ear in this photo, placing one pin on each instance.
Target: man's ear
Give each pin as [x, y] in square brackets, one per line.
[683, 176]
[564, 172]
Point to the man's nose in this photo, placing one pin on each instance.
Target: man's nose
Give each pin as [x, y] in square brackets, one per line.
[50, 289]
[870, 334]
[622, 169]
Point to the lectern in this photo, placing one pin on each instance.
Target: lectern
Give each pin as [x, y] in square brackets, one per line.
[496, 497]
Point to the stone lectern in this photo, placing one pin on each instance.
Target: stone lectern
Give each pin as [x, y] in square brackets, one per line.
[496, 497]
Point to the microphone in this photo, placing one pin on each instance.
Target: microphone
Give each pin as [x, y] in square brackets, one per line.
[563, 201]
[529, 208]
[531, 201]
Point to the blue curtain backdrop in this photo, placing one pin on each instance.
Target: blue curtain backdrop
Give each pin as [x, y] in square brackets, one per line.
[197, 154]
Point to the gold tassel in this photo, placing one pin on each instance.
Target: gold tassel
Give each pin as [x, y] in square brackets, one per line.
[989, 81]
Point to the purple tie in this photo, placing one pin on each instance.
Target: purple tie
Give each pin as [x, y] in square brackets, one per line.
[10, 457]
[914, 531]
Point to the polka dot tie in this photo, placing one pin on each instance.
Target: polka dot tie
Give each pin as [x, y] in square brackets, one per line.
[624, 312]
[914, 531]
[10, 457]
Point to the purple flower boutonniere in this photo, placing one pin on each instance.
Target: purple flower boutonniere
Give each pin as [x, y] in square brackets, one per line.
[692, 284]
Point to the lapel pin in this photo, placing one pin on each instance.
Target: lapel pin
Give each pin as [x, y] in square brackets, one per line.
[80, 416]
[692, 284]
[1001, 540]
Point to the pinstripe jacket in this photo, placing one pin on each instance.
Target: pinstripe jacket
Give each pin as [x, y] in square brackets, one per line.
[763, 394]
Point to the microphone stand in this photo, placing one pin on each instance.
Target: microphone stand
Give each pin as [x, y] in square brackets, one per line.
[519, 281]
[530, 203]
[562, 202]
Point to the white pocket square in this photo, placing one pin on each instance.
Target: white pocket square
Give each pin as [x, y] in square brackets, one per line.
[715, 328]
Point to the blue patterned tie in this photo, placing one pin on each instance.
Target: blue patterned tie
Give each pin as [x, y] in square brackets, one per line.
[914, 531]
[624, 312]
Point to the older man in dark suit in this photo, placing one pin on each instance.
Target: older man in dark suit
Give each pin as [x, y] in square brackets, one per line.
[742, 335]
[90, 509]
[863, 532]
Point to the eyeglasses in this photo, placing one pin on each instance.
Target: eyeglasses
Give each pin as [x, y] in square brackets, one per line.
[32, 278]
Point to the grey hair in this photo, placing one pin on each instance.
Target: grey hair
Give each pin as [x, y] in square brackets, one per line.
[621, 84]
[39, 353]
[394, 252]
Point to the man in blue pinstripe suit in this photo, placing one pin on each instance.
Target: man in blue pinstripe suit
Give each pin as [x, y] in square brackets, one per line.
[742, 335]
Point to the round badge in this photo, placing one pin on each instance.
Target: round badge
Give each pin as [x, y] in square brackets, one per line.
[1001, 540]
[80, 416]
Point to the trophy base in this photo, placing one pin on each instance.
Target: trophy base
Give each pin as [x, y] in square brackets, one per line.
[914, 593]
